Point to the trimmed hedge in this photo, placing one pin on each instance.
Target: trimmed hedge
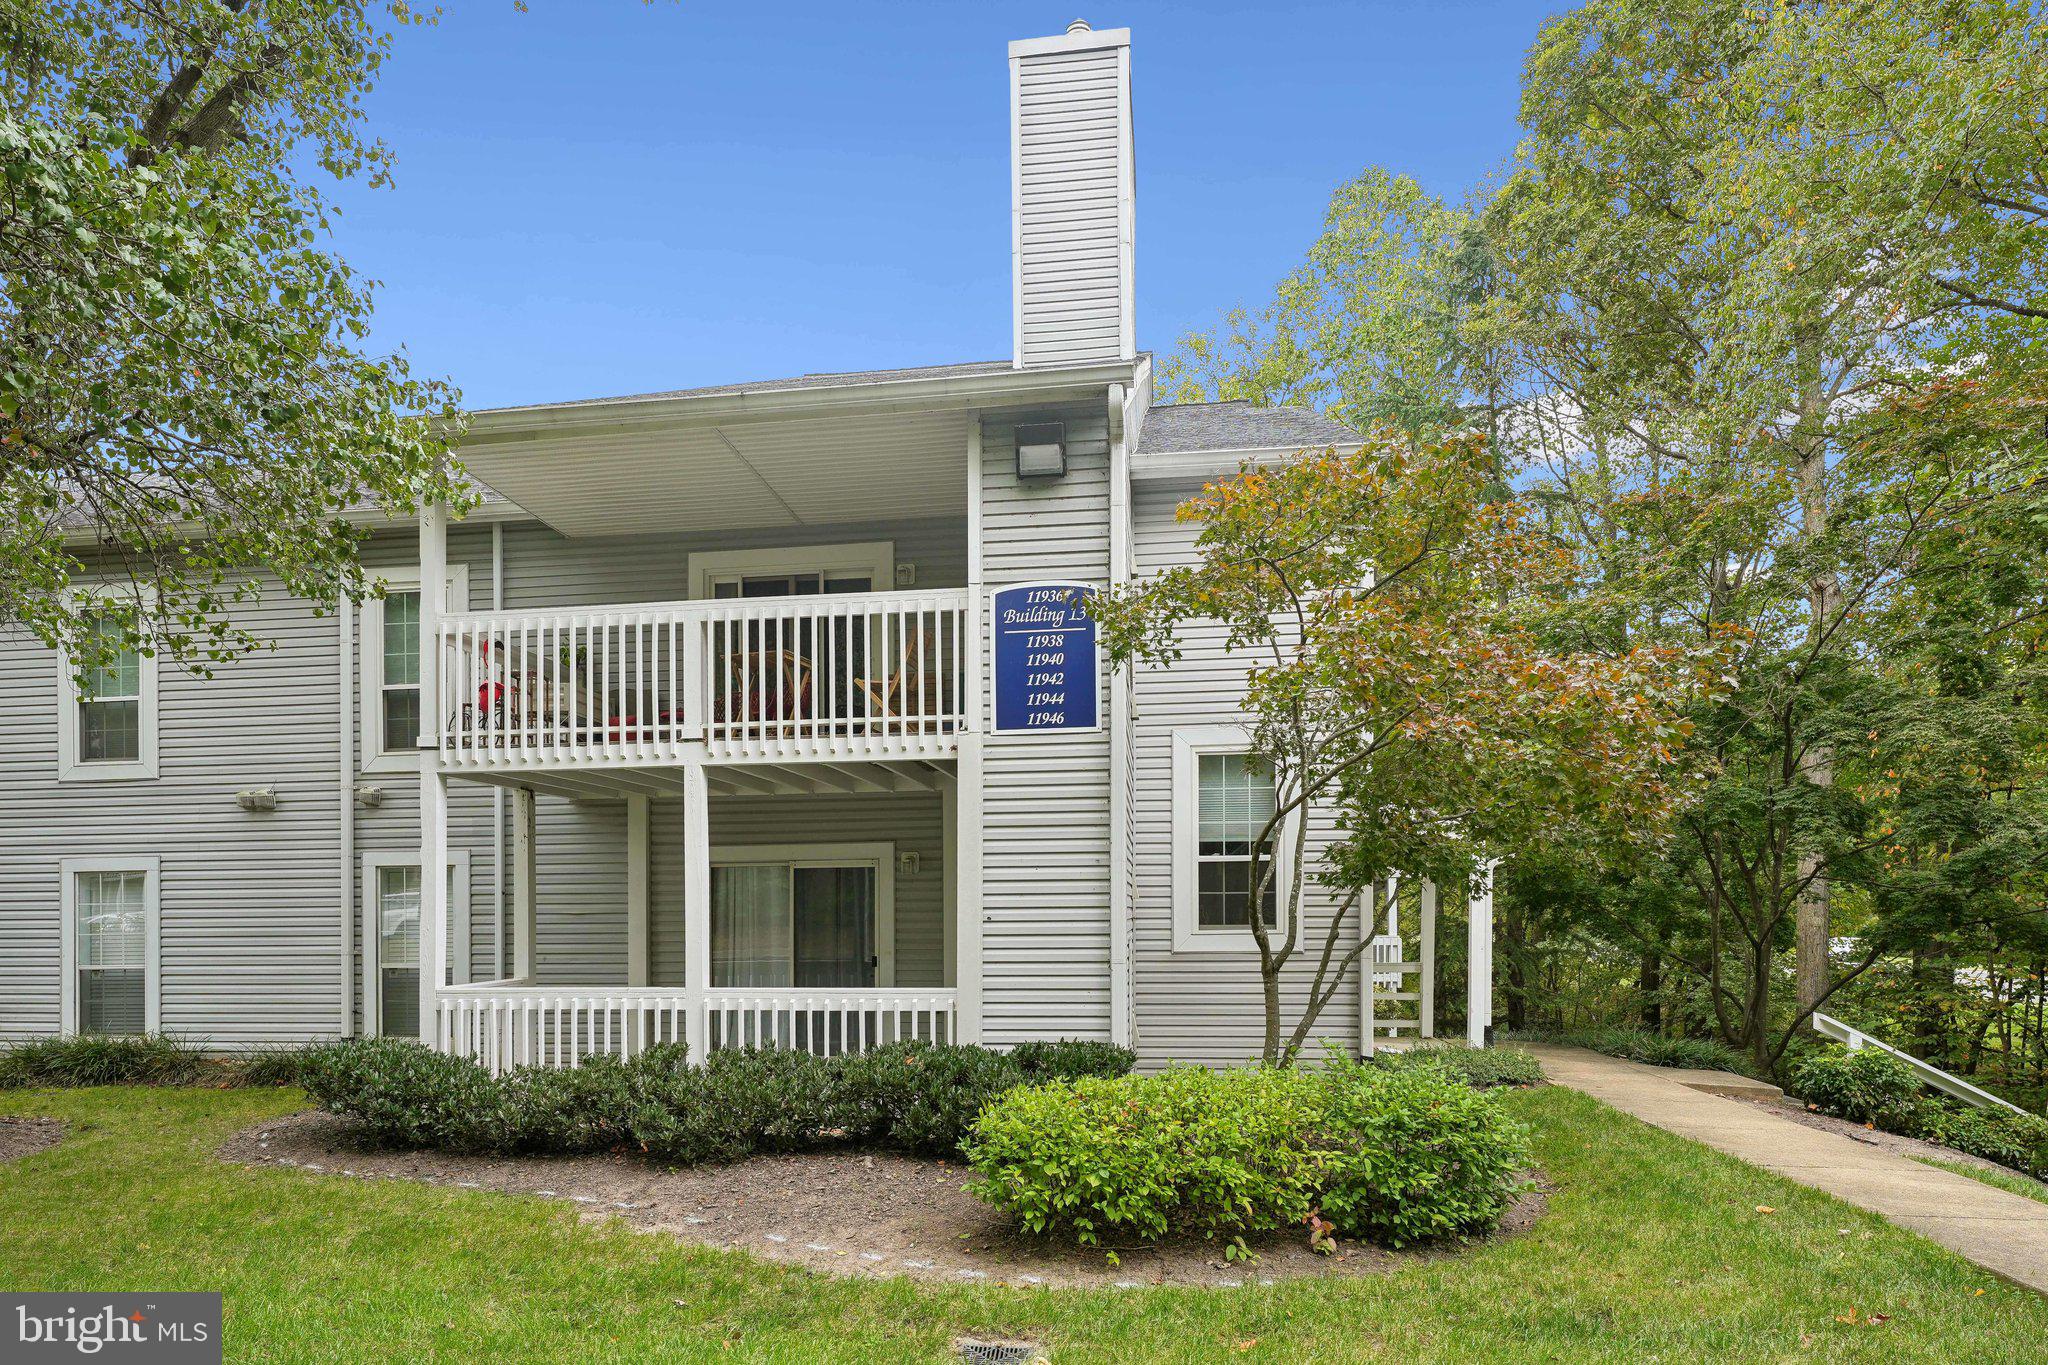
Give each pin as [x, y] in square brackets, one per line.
[1399, 1155]
[906, 1097]
[151, 1059]
[1484, 1067]
[1869, 1085]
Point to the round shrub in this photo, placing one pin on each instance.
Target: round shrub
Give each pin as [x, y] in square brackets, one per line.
[1400, 1155]
[565, 1109]
[923, 1099]
[1865, 1085]
[1219, 1153]
[1413, 1154]
[409, 1095]
[788, 1100]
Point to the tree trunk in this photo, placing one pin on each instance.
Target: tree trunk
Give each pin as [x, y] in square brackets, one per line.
[1756, 1022]
[1518, 973]
[1817, 761]
[1810, 952]
[1652, 987]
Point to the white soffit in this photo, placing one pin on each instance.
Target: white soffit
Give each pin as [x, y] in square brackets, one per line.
[736, 475]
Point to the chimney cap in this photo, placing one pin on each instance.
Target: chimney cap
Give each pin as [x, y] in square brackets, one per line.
[1079, 26]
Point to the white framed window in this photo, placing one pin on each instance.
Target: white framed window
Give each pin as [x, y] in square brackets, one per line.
[794, 571]
[391, 667]
[806, 915]
[112, 945]
[392, 950]
[1222, 799]
[107, 732]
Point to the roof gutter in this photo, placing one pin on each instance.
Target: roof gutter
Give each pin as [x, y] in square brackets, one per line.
[370, 518]
[509, 426]
[1164, 465]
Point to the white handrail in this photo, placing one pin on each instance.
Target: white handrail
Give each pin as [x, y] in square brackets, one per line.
[1954, 1086]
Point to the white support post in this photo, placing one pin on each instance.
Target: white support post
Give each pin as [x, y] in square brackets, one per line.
[967, 887]
[638, 866]
[949, 870]
[1425, 990]
[696, 901]
[522, 884]
[966, 869]
[1479, 962]
[433, 786]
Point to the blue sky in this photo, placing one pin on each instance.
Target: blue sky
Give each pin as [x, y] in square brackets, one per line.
[601, 197]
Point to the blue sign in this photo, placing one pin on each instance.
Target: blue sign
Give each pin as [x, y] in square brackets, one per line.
[1045, 660]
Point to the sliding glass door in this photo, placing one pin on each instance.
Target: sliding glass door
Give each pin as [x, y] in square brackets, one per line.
[799, 923]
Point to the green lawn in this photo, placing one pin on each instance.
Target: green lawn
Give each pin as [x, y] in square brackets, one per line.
[1653, 1249]
[2010, 1182]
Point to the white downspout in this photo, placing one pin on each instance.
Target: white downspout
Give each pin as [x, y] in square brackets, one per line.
[346, 735]
[497, 792]
[1120, 1029]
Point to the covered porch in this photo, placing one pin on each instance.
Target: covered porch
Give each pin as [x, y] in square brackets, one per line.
[811, 906]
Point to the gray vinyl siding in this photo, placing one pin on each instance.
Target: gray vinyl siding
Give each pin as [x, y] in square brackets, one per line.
[393, 825]
[251, 932]
[546, 569]
[252, 903]
[1201, 1006]
[1045, 798]
[1070, 197]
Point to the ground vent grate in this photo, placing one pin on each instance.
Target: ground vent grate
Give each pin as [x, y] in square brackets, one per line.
[976, 1352]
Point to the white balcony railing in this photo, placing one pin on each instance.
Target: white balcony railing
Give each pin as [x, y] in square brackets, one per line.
[507, 1024]
[863, 675]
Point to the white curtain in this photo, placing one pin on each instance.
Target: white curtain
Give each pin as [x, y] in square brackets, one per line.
[750, 925]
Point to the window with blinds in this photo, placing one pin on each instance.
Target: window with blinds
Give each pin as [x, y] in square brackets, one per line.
[398, 951]
[111, 912]
[399, 703]
[110, 708]
[1234, 801]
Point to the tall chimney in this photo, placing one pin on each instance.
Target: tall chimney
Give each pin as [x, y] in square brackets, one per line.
[1071, 215]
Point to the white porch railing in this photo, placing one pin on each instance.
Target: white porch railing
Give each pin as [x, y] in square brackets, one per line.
[828, 1022]
[507, 1024]
[1389, 984]
[860, 675]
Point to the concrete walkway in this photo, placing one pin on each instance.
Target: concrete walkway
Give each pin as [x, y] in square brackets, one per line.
[2007, 1234]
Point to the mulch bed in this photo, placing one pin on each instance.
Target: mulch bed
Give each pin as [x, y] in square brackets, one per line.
[1895, 1143]
[845, 1213]
[25, 1137]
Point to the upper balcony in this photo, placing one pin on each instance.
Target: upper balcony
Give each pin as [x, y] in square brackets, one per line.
[854, 676]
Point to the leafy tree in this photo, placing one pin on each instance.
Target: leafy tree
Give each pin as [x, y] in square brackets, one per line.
[183, 383]
[1375, 326]
[1403, 680]
[1755, 323]
[1778, 331]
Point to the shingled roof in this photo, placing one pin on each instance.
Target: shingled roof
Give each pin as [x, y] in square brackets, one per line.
[1176, 428]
